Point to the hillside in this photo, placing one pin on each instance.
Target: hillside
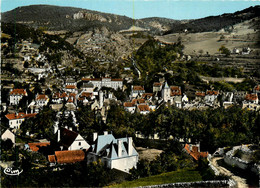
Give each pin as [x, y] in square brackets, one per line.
[73, 19]
[216, 23]
[77, 19]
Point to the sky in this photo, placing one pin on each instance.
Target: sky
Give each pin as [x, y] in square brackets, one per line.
[175, 9]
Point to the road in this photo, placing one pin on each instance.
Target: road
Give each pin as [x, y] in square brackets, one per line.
[241, 182]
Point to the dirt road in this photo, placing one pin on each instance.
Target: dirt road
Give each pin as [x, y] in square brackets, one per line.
[241, 182]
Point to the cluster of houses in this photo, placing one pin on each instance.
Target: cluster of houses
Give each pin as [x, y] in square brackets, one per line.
[120, 153]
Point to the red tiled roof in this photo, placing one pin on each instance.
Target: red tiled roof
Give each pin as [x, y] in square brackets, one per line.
[91, 79]
[86, 79]
[18, 92]
[59, 95]
[36, 146]
[86, 94]
[70, 87]
[19, 116]
[157, 84]
[143, 107]
[251, 97]
[200, 94]
[128, 104]
[212, 92]
[70, 100]
[72, 95]
[63, 95]
[116, 79]
[195, 152]
[138, 101]
[51, 158]
[147, 95]
[138, 88]
[175, 90]
[257, 88]
[69, 156]
[41, 97]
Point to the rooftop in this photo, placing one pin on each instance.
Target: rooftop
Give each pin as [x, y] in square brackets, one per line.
[36, 146]
[18, 92]
[20, 115]
[62, 157]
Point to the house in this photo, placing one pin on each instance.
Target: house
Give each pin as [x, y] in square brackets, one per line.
[115, 83]
[15, 120]
[239, 96]
[8, 135]
[66, 157]
[137, 90]
[129, 106]
[157, 86]
[71, 88]
[211, 96]
[252, 98]
[246, 50]
[235, 51]
[16, 95]
[256, 89]
[194, 151]
[70, 140]
[88, 87]
[59, 97]
[115, 153]
[147, 96]
[41, 100]
[199, 95]
[143, 109]
[70, 82]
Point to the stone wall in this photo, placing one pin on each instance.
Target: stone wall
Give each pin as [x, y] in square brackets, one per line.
[213, 183]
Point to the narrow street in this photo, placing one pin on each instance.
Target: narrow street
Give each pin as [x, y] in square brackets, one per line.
[241, 182]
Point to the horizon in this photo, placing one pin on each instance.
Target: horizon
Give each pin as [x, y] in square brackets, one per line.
[138, 9]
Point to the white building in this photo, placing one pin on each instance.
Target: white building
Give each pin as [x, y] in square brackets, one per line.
[41, 100]
[105, 82]
[70, 140]
[211, 96]
[137, 90]
[119, 153]
[8, 135]
[15, 120]
[129, 106]
[16, 95]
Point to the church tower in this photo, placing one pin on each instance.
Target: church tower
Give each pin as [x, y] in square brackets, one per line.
[166, 91]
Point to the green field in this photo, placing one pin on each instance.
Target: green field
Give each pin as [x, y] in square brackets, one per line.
[170, 177]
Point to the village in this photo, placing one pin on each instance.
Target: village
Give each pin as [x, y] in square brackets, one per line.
[74, 107]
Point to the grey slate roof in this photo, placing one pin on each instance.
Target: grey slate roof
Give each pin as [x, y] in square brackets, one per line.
[107, 146]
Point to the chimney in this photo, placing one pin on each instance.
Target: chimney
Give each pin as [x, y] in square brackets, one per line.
[130, 146]
[58, 135]
[105, 133]
[95, 135]
[70, 128]
[66, 127]
[119, 144]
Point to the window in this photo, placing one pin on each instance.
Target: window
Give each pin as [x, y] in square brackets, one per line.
[79, 143]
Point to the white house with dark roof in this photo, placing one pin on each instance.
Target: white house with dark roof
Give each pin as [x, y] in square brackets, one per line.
[114, 153]
[70, 140]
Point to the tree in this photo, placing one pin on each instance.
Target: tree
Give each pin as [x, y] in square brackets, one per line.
[224, 50]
